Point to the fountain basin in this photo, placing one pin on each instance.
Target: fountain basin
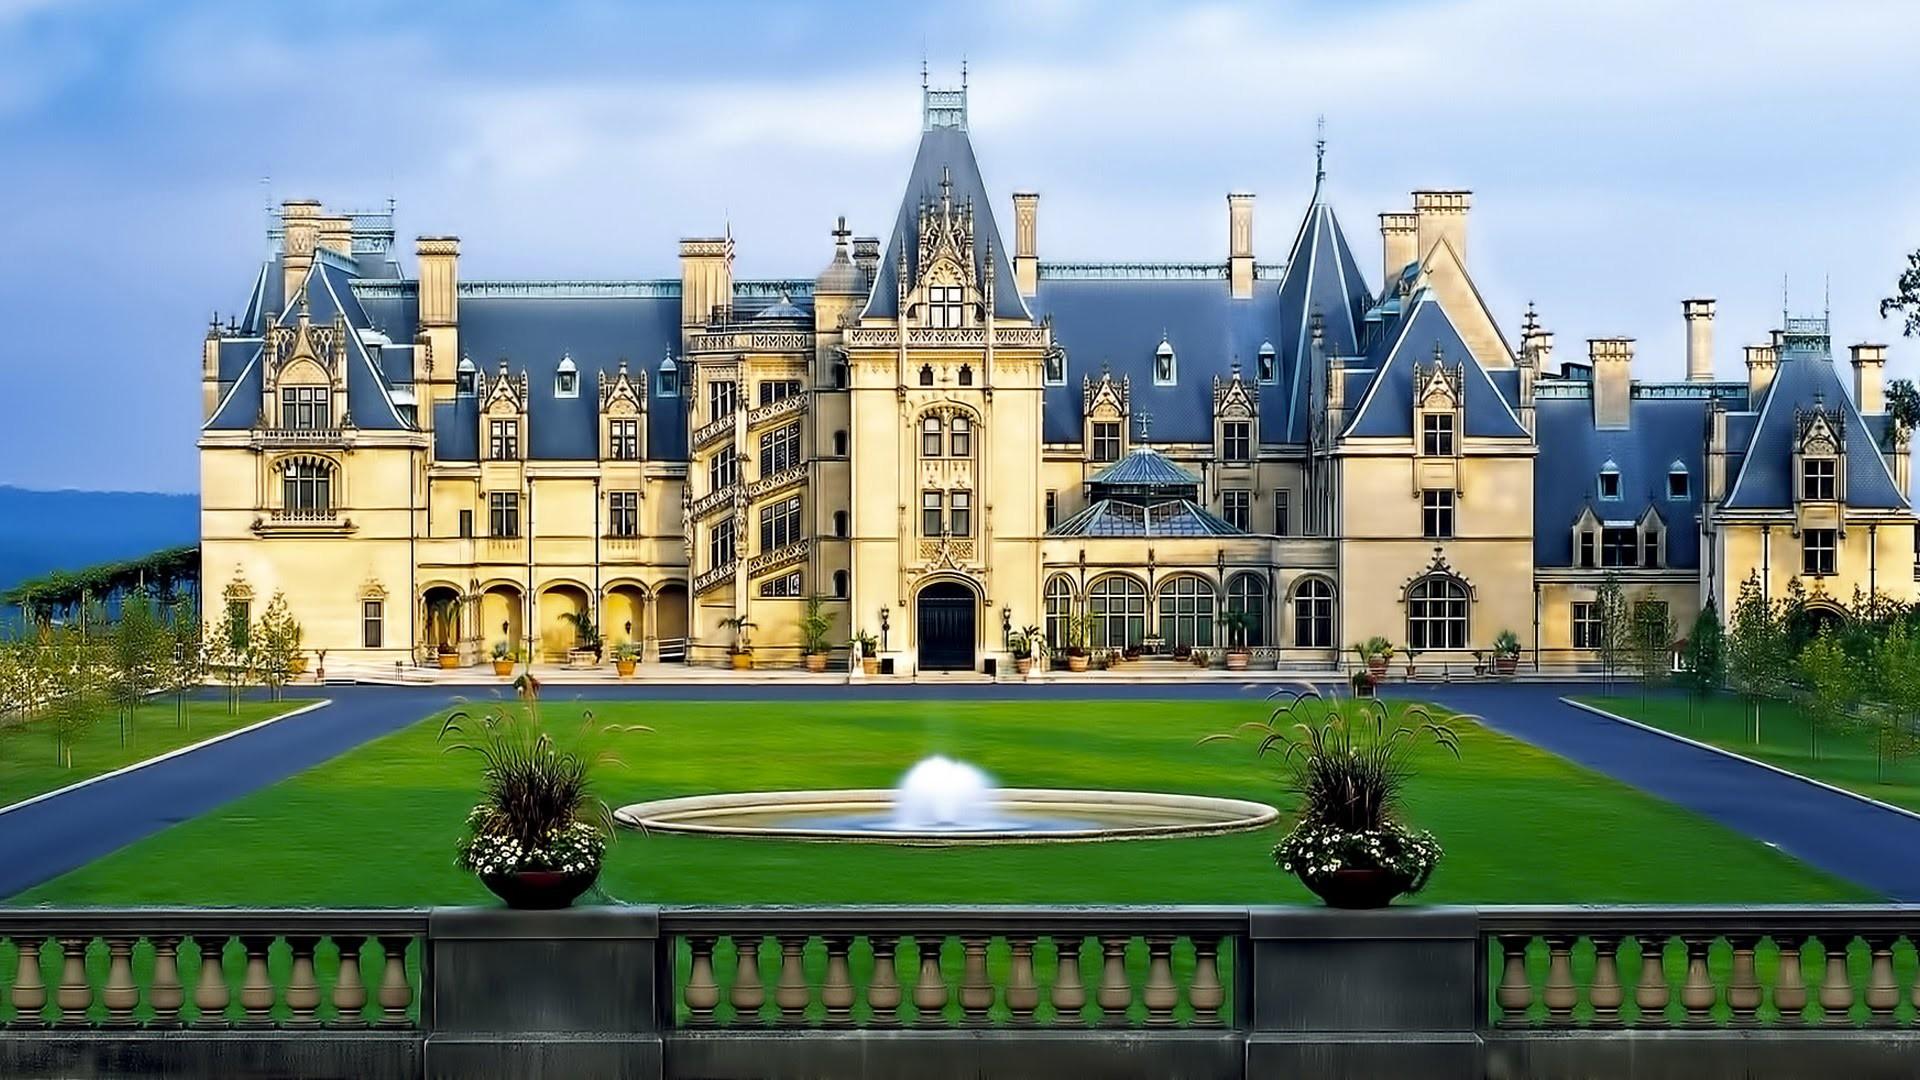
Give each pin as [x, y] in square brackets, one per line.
[1018, 815]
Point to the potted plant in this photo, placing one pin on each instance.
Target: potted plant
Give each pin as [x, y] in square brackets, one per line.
[1022, 643]
[538, 834]
[503, 658]
[815, 624]
[442, 611]
[1078, 628]
[742, 650]
[625, 656]
[1363, 684]
[1348, 762]
[869, 647]
[1506, 653]
[1239, 623]
[587, 643]
[1374, 653]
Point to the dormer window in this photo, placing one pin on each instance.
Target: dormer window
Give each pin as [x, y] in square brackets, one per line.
[1266, 367]
[1436, 434]
[1165, 364]
[1817, 482]
[305, 408]
[464, 378]
[945, 306]
[667, 382]
[566, 379]
[1055, 363]
[1609, 481]
[1677, 482]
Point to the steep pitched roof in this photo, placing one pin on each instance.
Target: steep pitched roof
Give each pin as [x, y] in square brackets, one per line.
[1321, 278]
[945, 154]
[1764, 481]
[1414, 337]
[1566, 474]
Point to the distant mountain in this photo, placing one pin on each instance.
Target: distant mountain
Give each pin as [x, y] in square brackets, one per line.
[66, 530]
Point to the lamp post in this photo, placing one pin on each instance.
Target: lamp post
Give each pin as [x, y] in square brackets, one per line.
[1006, 625]
[883, 628]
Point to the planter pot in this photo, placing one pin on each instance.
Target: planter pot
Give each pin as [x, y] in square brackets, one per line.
[1076, 663]
[503, 668]
[1505, 665]
[624, 667]
[1377, 667]
[449, 661]
[539, 890]
[742, 661]
[1023, 665]
[1357, 888]
[1237, 661]
[870, 665]
[816, 662]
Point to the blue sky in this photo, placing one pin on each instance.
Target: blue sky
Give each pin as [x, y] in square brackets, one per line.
[1623, 156]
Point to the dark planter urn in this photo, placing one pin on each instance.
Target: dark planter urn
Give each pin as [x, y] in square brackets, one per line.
[1358, 888]
[1505, 664]
[539, 890]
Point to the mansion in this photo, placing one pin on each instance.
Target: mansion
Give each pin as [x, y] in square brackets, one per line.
[948, 438]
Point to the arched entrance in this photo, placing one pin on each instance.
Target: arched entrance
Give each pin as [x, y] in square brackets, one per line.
[560, 605]
[670, 621]
[440, 604]
[947, 612]
[626, 615]
[500, 615]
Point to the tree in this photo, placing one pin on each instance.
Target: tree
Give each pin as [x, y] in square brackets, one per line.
[229, 650]
[1903, 408]
[1755, 656]
[1706, 657]
[134, 643]
[1610, 607]
[1894, 676]
[75, 688]
[1906, 298]
[1828, 687]
[276, 645]
[1650, 646]
[186, 661]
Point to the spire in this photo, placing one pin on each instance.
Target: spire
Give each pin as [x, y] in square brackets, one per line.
[1319, 155]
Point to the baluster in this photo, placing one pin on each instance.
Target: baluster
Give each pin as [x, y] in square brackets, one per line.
[303, 986]
[396, 992]
[210, 994]
[1116, 992]
[1836, 991]
[349, 990]
[165, 993]
[1698, 993]
[1883, 992]
[930, 987]
[1023, 993]
[883, 989]
[75, 993]
[836, 990]
[1069, 993]
[1789, 983]
[1161, 995]
[749, 994]
[1652, 992]
[120, 995]
[1743, 984]
[976, 990]
[1559, 993]
[1205, 994]
[1605, 993]
[1515, 992]
[256, 988]
[790, 992]
[29, 992]
[703, 992]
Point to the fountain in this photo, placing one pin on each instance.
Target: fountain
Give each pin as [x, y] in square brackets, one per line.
[941, 801]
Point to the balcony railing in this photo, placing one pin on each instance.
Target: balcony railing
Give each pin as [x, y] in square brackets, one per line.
[774, 412]
[713, 578]
[1206, 992]
[712, 500]
[712, 431]
[268, 437]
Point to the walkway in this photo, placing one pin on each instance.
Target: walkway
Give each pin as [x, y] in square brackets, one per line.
[1841, 835]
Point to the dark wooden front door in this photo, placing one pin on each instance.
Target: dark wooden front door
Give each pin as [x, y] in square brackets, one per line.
[946, 627]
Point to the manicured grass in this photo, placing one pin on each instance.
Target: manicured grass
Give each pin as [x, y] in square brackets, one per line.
[378, 826]
[29, 764]
[1844, 758]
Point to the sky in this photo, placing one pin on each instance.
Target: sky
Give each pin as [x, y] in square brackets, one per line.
[1623, 156]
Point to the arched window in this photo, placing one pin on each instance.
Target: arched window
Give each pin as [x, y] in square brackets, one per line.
[839, 444]
[962, 441]
[1677, 481]
[566, 379]
[306, 488]
[1313, 614]
[1437, 614]
[930, 437]
[1117, 607]
[1247, 594]
[1609, 481]
[926, 374]
[1186, 612]
[1267, 369]
[839, 523]
[464, 378]
[966, 374]
[1166, 367]
[840, 584]
[667, 384]
[1059, 610]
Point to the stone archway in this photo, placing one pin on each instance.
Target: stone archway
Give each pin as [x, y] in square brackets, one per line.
[441, 621]
[624, 619]
[947, 614]
[559, 601]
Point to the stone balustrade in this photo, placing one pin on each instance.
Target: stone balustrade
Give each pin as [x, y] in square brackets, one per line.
[774, 412]
[712, 431]
[712, 500]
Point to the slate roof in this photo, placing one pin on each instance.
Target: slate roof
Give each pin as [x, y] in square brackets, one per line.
[1764, 480]
[944, 151]
[1143, 466]
[1175, 517]
[1409, 338]
[1321, 277]
[1566, 473]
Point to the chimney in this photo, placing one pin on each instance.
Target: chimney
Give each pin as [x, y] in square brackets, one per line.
[1026, 250]
[1869, 388]
[300, 234]
[1398, 233]
[439, 258]
[866, 256]
[1240, 245]
[1762, 361]
[1699, 316]
[706, 278]
[1441, 215]
[336, 235]
[1612, 360]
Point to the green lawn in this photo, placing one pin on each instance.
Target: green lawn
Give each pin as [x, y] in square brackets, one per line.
[29, 763]
[1844, 758]
[378, 826]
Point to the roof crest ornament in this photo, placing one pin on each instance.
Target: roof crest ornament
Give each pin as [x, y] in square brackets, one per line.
[1319, 154]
